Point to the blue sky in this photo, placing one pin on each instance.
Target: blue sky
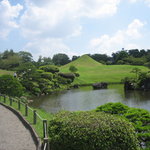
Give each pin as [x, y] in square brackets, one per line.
[74, 27]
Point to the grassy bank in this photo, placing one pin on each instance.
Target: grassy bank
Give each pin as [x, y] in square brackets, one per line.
[91, 71]
[5, 72]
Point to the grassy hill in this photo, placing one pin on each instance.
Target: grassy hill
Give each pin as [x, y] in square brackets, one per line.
[91, 71]
[5, 72]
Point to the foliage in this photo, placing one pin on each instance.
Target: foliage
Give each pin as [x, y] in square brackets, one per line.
[101, 58]
[47, 75]
[91, 131]
[74, 57]
[140, 119]
[49, 68]
[73, 69]
[70, 76]
[113, 108]
[141, 81]
[42, 61]
[10, 86]
[60, 59]
[26, 56]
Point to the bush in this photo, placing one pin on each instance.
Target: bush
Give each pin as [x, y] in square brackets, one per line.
[73, 69]
[49, 68]
[140, 119]
[70, 76]
[77, 74]
[113, 108]
[47, 75]
[91, 131]
[10, 86]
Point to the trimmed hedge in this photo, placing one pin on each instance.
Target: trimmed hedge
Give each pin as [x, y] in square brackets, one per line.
[49, 68]
[140, 119]
[47, 75]
[91, 131]
[70, 76]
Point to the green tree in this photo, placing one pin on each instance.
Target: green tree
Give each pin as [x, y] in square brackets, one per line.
[60, 59]
[136, 71]
[26, 56]
[10, 86]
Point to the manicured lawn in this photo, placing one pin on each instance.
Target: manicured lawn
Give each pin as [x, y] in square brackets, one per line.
[6, 72]
[91, 71]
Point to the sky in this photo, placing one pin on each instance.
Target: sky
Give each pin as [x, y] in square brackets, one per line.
[74, 27]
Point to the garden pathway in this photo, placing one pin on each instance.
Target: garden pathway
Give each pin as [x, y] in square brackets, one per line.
[13, 134]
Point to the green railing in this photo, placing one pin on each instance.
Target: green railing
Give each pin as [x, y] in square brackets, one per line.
[31, 115]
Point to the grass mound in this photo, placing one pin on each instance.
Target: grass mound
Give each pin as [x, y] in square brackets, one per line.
[91, 71]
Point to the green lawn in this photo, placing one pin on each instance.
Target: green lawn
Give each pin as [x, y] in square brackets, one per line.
[6, 72]
[91, 71]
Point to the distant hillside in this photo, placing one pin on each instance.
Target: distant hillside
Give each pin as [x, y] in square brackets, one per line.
[92, 71]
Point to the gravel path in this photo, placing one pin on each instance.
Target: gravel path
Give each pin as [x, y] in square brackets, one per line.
[13, 134]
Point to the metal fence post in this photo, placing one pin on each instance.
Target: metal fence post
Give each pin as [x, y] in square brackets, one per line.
[10, 101]
[26, 110]
[46, 144]
[34, 116]
[19, 106]
[44, 128]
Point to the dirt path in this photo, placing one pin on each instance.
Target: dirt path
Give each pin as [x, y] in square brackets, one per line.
[13, 134]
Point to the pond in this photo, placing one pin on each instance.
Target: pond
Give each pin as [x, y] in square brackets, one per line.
[85, 98]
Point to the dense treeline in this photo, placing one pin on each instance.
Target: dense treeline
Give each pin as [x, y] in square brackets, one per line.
[10, 60]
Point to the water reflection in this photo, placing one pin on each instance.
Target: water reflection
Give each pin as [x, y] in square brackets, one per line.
[87, 99]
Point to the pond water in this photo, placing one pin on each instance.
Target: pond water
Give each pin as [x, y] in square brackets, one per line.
[86, 98]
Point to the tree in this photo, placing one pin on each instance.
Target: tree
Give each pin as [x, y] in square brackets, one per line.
[136, 71]
[134, 53]
[60, 59]
[74, 58]
[10, 86]
[119, 55]
[73, 69]
[26, 56]
[100, 57]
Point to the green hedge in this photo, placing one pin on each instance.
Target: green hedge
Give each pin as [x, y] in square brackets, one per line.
[49, 68]
[47, 75]
[91, 131]
[140, 119]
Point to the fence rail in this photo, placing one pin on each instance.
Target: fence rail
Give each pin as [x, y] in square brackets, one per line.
[17, 104]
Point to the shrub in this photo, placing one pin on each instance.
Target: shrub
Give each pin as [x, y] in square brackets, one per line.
[10, 86]
[91, 131]
[140, 119]
[113, 108]
[47, 75]
[49, 68]
[70, 76]
[73, 69]
[77, 74]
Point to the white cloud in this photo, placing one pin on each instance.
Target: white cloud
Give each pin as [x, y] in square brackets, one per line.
[122, 38]
[147, 2]
[57, 18]
[47, 47]
[8, 15]
[53, 21]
